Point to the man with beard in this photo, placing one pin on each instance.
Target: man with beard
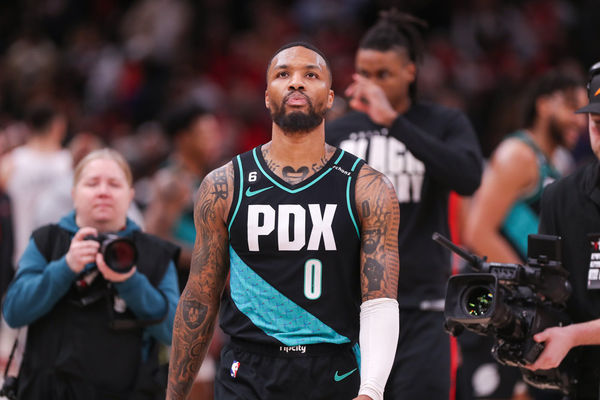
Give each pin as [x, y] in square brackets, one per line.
[287, 222]
[426, 150]
[505, 209]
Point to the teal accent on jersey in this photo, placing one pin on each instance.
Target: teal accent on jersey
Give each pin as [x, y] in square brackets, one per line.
[340, 157]
[250, 193]
[546, 170]
[283, 187]
[337, 377]
[350, 207]
[523, 217]
[356, 351]
[518, 224]
[272, 312]
[237, 207]
[348, 197]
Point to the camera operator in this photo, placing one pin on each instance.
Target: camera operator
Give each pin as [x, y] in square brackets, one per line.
[571, 209]
[93, 332]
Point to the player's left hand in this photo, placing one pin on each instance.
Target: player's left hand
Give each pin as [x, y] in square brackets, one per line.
[109, 274]
[365, 96]
[558, 341]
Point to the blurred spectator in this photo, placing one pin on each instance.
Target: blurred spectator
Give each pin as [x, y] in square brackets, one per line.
[29, 171]
[197, 148]
[505, 209]
[6, 243]
[94, 329]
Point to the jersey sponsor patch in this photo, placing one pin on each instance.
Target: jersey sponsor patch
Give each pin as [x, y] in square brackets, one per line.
[594, 268]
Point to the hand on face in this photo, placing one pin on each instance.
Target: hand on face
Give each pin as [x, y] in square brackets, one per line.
[366, 96]
[109, 274]
[82, 251]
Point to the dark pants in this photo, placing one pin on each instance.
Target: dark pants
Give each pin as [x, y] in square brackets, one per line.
[422, 365]
[253, 372]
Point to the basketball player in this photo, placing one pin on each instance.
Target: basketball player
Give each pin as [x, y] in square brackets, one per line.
[426, 150]
[308, 235]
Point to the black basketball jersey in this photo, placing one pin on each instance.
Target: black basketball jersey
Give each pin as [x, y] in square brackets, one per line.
[294, 255]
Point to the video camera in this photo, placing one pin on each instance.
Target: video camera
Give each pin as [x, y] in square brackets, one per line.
[511, 303]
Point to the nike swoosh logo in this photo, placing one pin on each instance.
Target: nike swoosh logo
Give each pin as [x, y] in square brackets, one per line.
[597, 92]
[250, 193]
[338, 378]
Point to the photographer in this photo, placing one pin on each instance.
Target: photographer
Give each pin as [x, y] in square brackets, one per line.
[93, 331]
[570, 209]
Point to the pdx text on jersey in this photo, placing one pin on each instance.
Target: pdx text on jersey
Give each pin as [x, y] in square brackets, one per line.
[389, 156]
[262, 218]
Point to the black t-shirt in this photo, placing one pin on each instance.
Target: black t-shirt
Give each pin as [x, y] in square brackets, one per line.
[426, 153]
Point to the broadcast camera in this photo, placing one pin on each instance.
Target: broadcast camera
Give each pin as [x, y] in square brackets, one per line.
[119, 253]
[511, 303]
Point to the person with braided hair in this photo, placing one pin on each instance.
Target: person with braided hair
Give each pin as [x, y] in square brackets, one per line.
[426, 150]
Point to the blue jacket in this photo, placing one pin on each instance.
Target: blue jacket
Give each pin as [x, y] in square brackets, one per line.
[39, 285]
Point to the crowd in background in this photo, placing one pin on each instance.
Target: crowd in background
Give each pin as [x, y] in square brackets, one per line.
[116, 70]
[115, 66]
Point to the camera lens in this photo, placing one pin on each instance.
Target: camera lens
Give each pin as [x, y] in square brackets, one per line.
[120, 255]
[478, 301]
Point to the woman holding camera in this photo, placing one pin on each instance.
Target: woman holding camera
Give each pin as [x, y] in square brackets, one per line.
[94, 321]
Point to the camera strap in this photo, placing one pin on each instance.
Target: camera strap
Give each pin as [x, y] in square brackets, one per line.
[117, 323]
[12, 355]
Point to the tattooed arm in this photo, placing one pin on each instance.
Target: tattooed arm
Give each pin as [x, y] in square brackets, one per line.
[379, 214]
[199, 303]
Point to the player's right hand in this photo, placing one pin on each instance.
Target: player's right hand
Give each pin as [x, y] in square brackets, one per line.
[366, 96]
[82, 251]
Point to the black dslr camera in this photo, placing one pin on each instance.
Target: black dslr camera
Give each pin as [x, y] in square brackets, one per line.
[119, 253]
[511, 303]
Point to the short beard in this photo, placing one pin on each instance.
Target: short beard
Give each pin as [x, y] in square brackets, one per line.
[296, 121]
[556, 132]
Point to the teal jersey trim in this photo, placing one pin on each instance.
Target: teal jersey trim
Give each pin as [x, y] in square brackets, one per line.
[518, 224]
[237, 207]
[274, 313]
[292, 191]
[356, 351]
[348, 199]
[339, 158]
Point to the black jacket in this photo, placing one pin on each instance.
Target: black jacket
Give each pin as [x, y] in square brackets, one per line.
[72, 351]
[571, 210]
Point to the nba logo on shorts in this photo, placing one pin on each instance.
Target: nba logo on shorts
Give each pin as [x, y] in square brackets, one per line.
[234, 369]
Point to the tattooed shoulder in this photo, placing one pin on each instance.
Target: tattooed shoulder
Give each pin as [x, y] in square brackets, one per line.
[215, 192]
[372, 188]
[379, 214]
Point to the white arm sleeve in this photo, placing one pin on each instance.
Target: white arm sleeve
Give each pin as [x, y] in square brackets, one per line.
[379, 327]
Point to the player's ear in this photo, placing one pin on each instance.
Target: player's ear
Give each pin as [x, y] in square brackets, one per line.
[267, 100]
[330, 98]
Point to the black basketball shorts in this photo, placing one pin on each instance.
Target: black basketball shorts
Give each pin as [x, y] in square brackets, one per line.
[322, 371]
